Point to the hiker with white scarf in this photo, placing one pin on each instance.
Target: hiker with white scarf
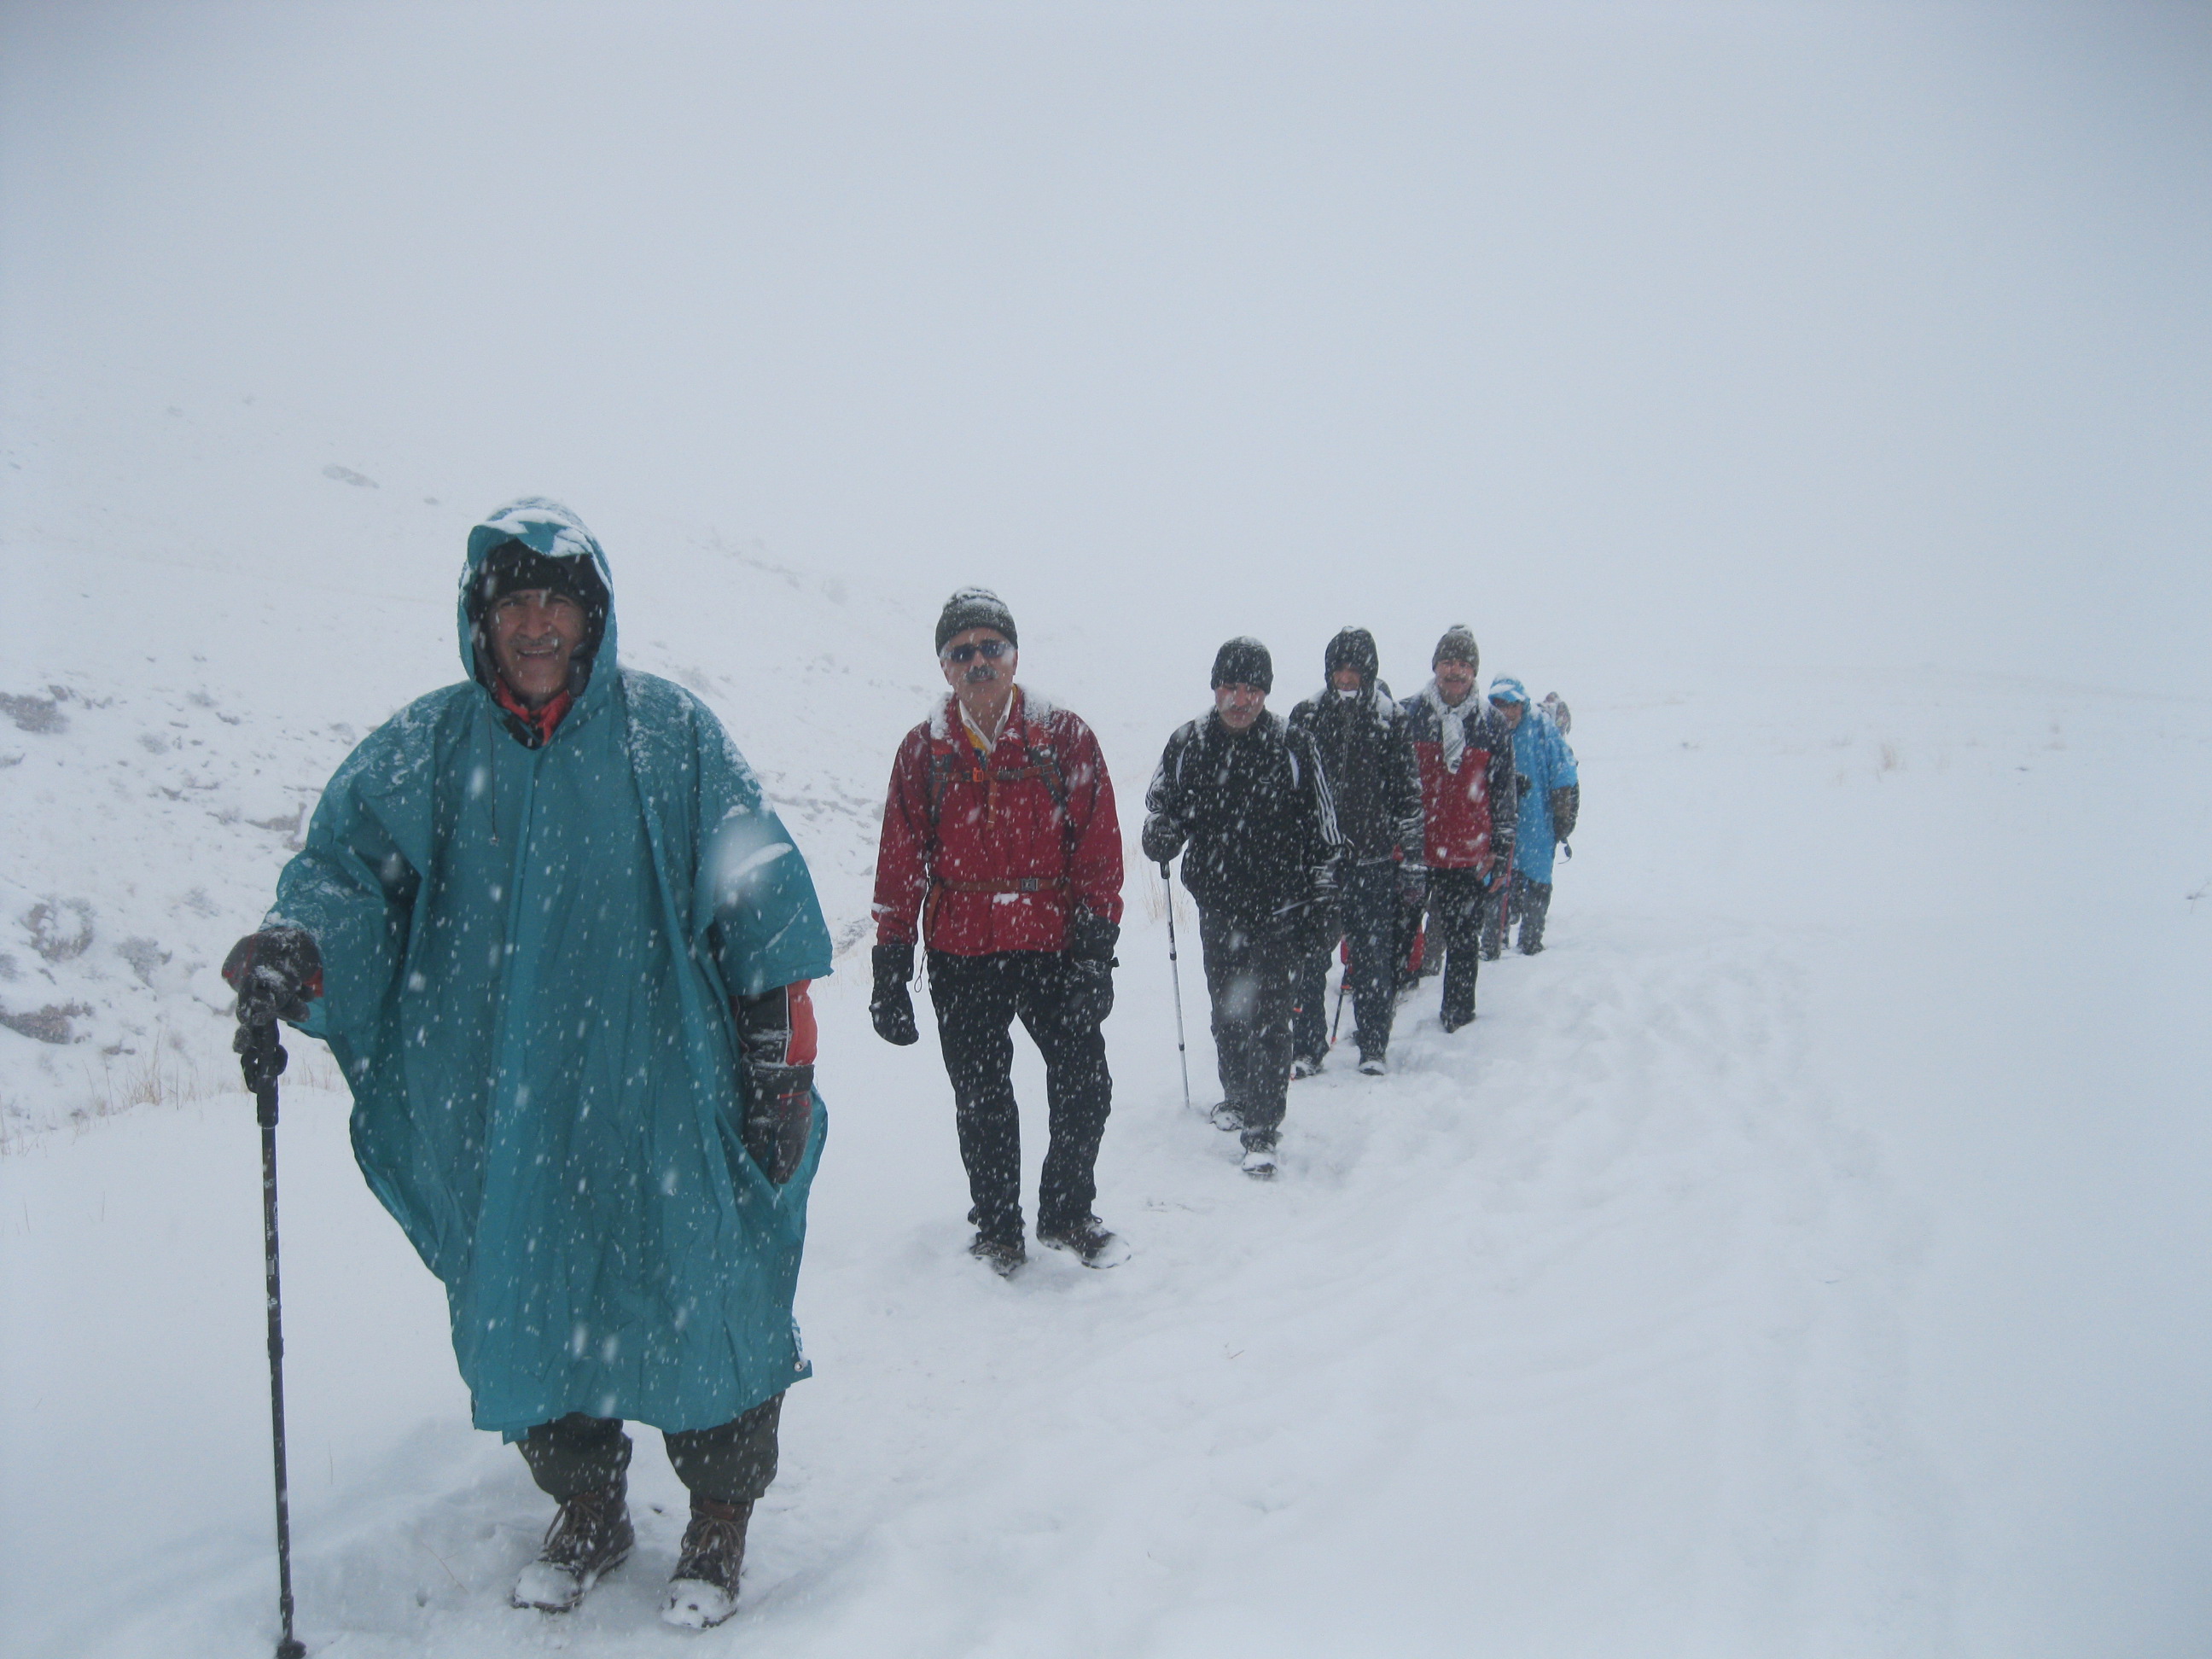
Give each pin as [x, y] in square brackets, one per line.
[1465, 751]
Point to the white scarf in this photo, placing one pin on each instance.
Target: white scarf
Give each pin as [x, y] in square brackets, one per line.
[1454, 722]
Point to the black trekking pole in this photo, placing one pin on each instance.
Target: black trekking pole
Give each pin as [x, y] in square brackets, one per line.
[1343, 984]
[1174, 968]
[262, 1058]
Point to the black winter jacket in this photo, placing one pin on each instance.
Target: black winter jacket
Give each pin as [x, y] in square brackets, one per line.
[1250, 812]
[1367, 756]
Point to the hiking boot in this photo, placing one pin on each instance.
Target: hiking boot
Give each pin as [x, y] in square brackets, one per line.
[1003, 1256]
[1306, 1065]
[704, 1590]
[589, 1539]
[1227, 1116]
[1452, 1023]
[1373, 1066]
[1260, 1162]
[1087, 1236]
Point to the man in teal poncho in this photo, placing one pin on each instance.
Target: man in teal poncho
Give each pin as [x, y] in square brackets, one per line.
[560, 946]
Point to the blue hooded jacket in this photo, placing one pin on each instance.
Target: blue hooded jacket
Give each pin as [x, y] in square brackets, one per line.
[528, 959]
[1542, 756]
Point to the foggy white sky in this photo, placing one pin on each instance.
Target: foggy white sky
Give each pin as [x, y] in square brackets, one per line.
[1648, 339]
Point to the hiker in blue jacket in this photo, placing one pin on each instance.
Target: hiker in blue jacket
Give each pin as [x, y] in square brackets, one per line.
[560, 946]
[1551, 800]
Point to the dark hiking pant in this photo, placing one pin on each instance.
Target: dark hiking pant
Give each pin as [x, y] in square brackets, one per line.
[1370, 900]
[977, 1000]
[732, 1464]
[1532, 902]
[1459, 909]
[1251, 978]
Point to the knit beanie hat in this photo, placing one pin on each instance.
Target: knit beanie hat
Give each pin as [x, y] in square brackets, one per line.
[975, 607]
[1353, 648]
[515, 567]
[1458, 645]
[1243, 661]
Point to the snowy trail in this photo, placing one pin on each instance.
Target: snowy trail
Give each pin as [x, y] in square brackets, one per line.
[1581, 1327]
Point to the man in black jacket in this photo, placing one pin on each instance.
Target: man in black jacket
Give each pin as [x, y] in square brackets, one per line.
[1243, 798]
[1367, 758]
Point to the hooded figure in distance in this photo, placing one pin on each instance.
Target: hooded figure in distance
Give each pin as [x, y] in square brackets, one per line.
[1360, 733]
[1550, 804]
[559, 945]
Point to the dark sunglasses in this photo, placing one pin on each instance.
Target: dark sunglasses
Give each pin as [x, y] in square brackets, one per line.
[992, 649]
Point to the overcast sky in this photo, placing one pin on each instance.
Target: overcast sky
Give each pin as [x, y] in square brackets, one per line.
[1649, 339]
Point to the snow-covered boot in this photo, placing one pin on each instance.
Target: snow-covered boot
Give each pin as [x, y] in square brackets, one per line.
[589, 1539]
[1087, 1236]
[1228, 1117]
[1259, 1157]
[1373, 1065]
[1003, 1256]
[703, 1591]
[1304, 1065]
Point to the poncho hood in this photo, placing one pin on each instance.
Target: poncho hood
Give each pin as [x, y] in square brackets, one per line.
[552, 531]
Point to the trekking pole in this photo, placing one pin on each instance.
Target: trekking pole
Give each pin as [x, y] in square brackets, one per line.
[1174, 968]
[262, 1059]
[1343, 984]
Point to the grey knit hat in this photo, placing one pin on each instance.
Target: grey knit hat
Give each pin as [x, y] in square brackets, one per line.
[1243, 661]
[975, 607]
[1458, 645]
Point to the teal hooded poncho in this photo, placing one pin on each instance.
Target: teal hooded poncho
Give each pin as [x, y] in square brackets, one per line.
[528, 959]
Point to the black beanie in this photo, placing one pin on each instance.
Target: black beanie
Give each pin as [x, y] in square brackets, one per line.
[1354, 648]
[515, 567]
[975, 607]
[1243, 661]
[1458, 645]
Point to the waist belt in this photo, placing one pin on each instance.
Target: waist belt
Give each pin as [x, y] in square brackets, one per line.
[1004, 885]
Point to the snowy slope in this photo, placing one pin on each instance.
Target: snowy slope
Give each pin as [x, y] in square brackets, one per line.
[1741, 1284]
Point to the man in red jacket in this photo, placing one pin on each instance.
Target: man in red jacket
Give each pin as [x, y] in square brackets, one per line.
[1002, 855]
[1469, 798]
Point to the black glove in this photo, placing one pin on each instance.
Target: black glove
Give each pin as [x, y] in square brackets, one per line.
[1312, 926]
[891, 1007]
[1413, 881]
[1163, 838]
[780, 1113]
[277, 973]
[1566, 807]
[1091, 942]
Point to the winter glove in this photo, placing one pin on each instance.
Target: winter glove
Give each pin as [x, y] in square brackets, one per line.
[277, 973]
[891, 1007]
[1090, 941]
[1412, 882]
[1311, 925]
[780, 1113]
[1163, 838]
[1566, 806]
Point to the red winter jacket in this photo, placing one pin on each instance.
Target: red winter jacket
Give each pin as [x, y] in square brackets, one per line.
[1469, 812]
[989, 858]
